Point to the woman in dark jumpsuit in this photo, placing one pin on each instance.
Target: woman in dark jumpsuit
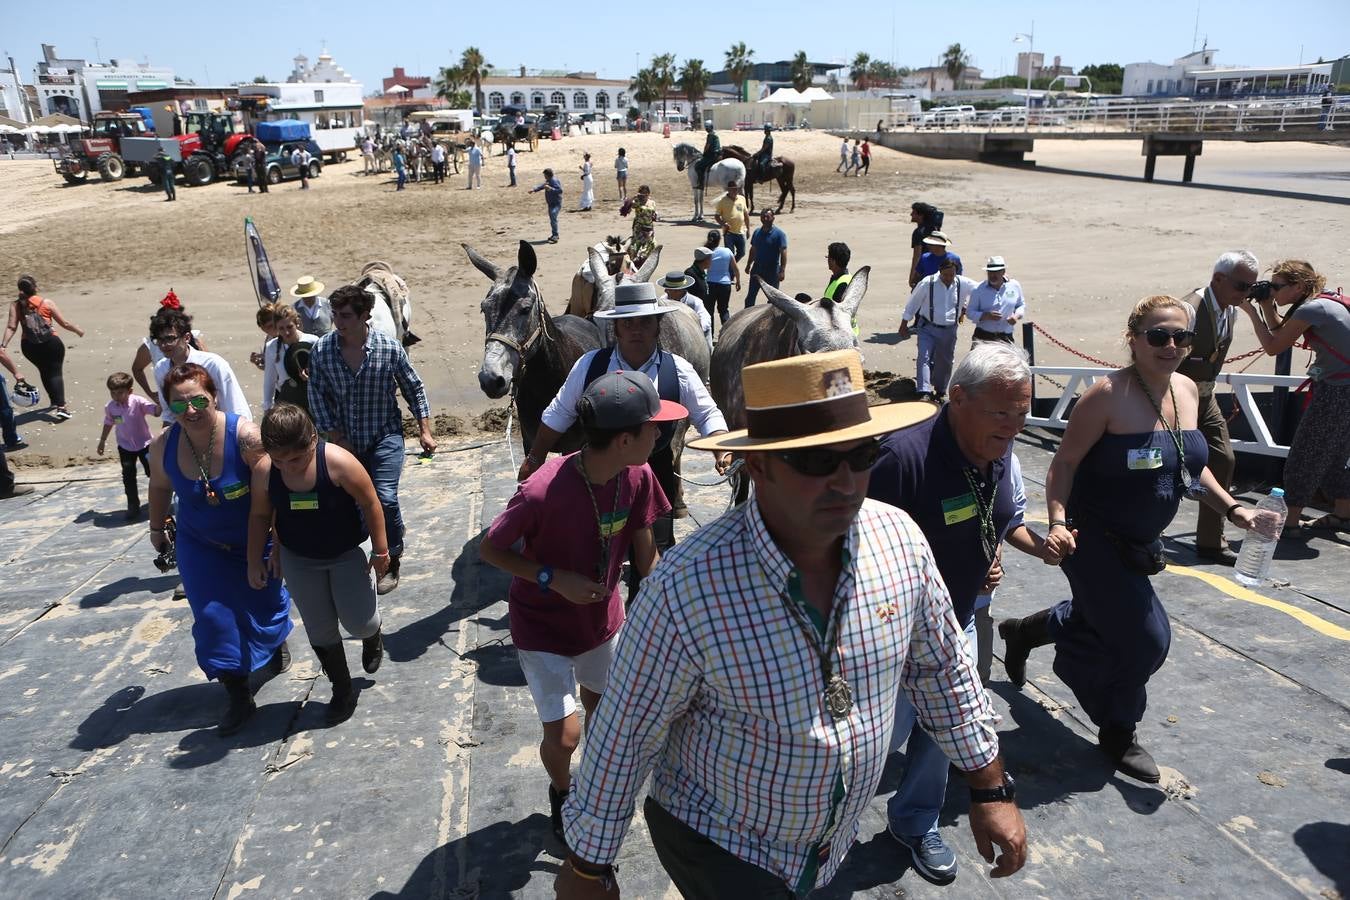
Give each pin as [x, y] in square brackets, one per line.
[1113, 487]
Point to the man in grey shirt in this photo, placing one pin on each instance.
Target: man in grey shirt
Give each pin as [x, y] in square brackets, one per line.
[316, 316]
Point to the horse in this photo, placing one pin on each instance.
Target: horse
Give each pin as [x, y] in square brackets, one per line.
[526, 352]
[719, 176]
[781, 170]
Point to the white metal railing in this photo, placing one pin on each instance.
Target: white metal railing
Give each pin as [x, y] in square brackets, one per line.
[1254, 115]
[1080, 379]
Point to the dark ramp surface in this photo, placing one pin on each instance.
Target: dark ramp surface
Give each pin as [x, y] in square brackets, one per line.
[114, 784]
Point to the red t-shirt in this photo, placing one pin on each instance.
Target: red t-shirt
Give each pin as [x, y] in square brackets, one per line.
[552, 515]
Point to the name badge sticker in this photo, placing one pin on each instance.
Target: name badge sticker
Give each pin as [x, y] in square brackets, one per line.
[1144, 458]
[959, 509]
[117, 420]
[234, 491]
[306, 500]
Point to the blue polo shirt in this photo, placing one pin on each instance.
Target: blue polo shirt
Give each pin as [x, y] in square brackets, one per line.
[930, 263]
[920, 470]
[769, 244]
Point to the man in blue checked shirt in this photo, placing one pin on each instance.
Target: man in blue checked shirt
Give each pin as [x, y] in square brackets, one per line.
[353, 373]
[756, 679]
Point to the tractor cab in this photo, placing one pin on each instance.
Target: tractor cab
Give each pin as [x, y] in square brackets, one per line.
[119, 125]
[214, 132]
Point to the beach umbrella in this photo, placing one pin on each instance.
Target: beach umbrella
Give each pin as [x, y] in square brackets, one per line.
[264, 280]
[8, 129]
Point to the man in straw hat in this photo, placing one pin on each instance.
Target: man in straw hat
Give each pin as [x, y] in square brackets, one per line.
[954, 475]
[809, 608]
[316, 315]
[936, 248]
[637, 328]
[677, 285]
[565, 609]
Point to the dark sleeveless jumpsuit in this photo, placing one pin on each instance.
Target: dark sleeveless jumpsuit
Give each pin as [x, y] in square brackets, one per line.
[1113, 634]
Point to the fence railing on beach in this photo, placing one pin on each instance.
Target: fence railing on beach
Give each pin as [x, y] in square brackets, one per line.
[1258, 115]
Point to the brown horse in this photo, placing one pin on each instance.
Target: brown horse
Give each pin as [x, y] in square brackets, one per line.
[781, 171]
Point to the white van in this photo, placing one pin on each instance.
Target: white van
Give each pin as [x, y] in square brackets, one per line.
[942, 116]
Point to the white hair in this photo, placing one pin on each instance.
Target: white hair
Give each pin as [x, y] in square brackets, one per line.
[992, 362]
[1235, 259]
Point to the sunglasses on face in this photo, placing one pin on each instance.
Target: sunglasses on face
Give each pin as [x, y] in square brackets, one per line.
[180, 406]
[1158, 337]
[818, 462]
[166, 339]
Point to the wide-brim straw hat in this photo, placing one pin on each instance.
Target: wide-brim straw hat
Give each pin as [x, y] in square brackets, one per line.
[307, 286]
[937, 239]
[810, 400]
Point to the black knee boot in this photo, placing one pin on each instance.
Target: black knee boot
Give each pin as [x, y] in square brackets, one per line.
[1020, 637]
[334, 661]
[240, 706]
[372, 653]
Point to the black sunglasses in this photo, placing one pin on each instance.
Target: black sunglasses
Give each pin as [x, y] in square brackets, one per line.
[1158, 337]
[818, 462]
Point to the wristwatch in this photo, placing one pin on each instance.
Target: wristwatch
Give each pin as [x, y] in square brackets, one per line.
[1005, 792]
[544, 576]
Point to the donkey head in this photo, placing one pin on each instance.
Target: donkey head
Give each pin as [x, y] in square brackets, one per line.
[824, 324]
[514, 316]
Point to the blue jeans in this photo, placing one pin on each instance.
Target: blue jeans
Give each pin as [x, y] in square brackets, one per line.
[553, 212]
[735, 243]
[913, 808]
[402, 178]
[937, 349]
[384, 462]
[754, 287]
[7, 415]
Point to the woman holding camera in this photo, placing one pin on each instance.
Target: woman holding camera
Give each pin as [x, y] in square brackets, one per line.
[206, 458]
[1321, 446]
[1130, 453]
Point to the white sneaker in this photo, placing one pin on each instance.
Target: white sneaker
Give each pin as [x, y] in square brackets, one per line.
[61, 415]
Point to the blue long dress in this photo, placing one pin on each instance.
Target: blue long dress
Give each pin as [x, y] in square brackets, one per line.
[1113, 633]
[235, 628]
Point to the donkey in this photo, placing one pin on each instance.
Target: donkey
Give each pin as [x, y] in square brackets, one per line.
[526, 352]
[718, 177]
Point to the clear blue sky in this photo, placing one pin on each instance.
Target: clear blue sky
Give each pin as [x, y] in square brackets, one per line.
[222, 42]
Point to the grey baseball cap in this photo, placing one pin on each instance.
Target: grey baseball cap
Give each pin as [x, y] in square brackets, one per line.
[623, 399]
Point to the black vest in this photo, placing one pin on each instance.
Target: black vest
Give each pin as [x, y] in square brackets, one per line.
[1207, 352]
[667, 386]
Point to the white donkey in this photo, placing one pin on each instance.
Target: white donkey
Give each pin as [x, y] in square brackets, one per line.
[719, 176]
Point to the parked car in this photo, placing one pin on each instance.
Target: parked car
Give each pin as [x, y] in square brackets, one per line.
[279, 165]
[949, 115]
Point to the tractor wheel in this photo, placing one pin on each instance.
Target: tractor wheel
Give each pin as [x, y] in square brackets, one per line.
[111, 168]
[75, 177]
[314, 168]
[197, 171]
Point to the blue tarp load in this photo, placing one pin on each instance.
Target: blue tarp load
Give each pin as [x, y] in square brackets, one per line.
[283, 130]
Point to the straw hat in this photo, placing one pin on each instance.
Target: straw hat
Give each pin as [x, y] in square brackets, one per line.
[307, 286]
[633, 299]
[810, 400]
[937, 239]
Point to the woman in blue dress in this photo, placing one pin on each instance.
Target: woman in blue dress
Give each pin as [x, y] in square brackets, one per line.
[1130, 453]
[206, 459]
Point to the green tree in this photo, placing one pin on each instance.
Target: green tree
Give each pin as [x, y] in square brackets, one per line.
[260, 79]
[474, 67]
[663, 70]
[1104, 72]
[447, 84]
[645, 88]
[802, 73]
[860, 72]
[739, 65]
[694, 80]
[956, 61]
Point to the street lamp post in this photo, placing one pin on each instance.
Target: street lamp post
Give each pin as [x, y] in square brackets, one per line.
[1031, 51]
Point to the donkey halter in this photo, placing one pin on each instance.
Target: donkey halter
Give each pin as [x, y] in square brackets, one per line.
[524, 349]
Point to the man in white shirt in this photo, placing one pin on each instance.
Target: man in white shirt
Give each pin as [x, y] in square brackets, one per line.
[300, 159]
[996, 305]
[437, 163]
[168, 333]
[368, 154]
[937, 305]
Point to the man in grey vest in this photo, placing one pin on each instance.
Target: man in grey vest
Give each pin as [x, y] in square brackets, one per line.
[1213, 310]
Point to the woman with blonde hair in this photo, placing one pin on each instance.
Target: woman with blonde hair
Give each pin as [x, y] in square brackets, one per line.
[1130, 453]
[1321, 445]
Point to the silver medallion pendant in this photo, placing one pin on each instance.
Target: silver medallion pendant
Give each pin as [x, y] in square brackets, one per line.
[838, 697]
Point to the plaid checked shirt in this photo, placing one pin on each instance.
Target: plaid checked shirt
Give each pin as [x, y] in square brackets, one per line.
[361, 404]
[717, 692]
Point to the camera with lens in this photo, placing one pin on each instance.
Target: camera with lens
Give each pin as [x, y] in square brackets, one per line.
[168, 557]
[1262, 290]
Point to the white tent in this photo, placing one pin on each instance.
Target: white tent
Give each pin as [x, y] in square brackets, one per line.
[397, 89]
[791, 95]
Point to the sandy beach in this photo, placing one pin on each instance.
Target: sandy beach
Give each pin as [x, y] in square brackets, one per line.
[1084, 248]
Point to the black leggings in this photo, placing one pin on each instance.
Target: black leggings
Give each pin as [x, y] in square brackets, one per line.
[718, 301]
[47, 357]
[130, 458]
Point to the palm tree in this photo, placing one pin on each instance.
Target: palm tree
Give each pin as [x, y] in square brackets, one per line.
[739, 65]
[694, 80]
[802, 73]
[474, 68]
[644, 88]
[956, 61]
[663, 69]
[448, 82]
[859, 73]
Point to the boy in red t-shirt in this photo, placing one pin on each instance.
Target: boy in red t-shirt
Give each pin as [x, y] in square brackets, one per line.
[576, 517]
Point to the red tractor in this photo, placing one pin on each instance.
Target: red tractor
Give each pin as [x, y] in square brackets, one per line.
[101, 152]
[203, 152]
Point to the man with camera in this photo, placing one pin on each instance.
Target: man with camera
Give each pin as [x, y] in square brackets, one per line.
[1213, 309]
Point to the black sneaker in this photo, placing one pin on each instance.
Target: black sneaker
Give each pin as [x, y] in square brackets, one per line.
[555, 803]
[932, 858]
[20, 444]
[281, 659]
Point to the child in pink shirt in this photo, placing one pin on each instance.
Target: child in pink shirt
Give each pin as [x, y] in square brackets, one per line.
[126, 412]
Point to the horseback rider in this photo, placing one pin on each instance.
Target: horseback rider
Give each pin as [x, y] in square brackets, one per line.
[764, 158]
[712, 150]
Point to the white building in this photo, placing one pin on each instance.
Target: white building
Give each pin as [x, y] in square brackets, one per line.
[323, 95]
[12, 105]
[575, 93]
[1195, 75]
[78, 88]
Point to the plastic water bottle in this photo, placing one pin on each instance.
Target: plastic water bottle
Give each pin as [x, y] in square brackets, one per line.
[1258, 547]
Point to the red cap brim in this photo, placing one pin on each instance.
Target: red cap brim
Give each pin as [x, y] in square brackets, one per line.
[670, 411]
